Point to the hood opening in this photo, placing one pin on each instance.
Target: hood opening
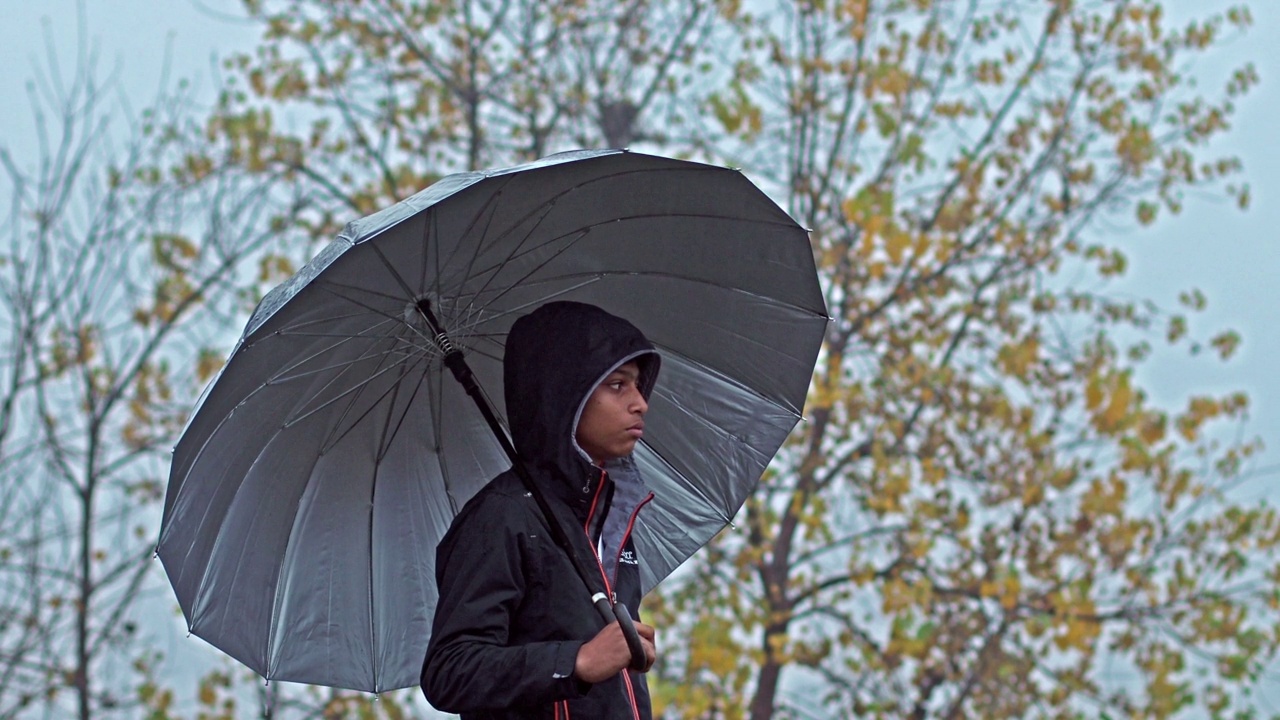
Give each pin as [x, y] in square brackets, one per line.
[555, 357]
[648, 361]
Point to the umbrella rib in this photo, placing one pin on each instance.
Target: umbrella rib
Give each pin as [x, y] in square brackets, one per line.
[487, 211]
[408, 291]
[293, 329]
[334, 288]
[276, 600]
[688, 484]
[343, 368]
[542, 210]
[519, 250]
[354, 389]
[523, 281]
[397, 351]
[599, 274]
[364, 290]
[430, 228]
[281, 375]
[437, 417]
[217, 543]
[668, 351]
[490, 273]
[520, 309]
[384, 444]
[389, 434]
[373, 625]
[329, 287]
[422, 349]
[352, 394]
[489, 203]
[392, 432]
[333, 441]
[488, 354]
[334, 334]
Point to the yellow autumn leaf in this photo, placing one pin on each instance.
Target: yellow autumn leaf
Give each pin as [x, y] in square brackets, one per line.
[1118, 404]
[208, 364]
[1032, 494]
[896, 243]
[1093, 394]
[1077, 634]
[1010, 592]
[873, 226]
[1017, 358]
[1105, 498]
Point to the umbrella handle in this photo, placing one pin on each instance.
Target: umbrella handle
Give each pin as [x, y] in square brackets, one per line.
[639, 662]
[620, 613]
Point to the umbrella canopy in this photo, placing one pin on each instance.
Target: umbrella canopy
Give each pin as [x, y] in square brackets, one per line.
[319, 471]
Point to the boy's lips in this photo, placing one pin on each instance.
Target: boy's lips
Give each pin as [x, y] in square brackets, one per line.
[636, 431]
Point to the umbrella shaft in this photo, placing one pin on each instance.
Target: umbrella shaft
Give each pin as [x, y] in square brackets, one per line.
[457, 365]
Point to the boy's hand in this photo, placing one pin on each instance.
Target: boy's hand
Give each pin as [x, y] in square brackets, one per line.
[606, 654]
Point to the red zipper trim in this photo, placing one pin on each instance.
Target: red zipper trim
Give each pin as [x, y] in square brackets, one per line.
[586, 530]
[595, 501]
[631, 694]
[626, 674]
[626, 534]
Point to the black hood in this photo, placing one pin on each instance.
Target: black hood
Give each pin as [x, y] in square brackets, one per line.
[555, 357]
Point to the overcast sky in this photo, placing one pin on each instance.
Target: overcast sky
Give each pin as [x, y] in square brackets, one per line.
[1232, 256]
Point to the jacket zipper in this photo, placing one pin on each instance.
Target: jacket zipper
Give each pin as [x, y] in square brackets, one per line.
[626, 535]
[617, 565]
[586, 526]
[608, 586]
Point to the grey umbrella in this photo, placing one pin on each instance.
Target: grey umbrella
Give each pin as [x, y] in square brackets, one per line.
[322, 466]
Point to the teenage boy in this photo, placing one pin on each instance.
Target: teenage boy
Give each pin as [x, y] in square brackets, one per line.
[515, 634]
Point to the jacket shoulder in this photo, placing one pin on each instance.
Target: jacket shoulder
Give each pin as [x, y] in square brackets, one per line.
[503, 499]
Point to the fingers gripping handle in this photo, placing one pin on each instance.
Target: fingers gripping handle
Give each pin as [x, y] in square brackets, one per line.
[620, 613]
[639, 662]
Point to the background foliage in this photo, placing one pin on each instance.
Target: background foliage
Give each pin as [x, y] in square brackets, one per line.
[982, 515]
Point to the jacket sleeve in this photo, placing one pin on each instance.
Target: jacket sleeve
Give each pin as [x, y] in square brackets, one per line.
[469, 665]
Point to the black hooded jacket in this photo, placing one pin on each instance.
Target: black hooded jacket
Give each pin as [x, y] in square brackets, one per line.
[513, 612]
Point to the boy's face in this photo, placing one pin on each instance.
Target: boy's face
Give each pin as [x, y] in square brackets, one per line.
[613, 419]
